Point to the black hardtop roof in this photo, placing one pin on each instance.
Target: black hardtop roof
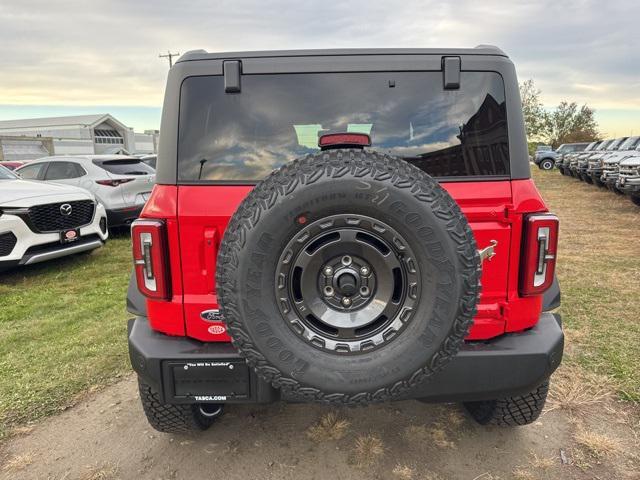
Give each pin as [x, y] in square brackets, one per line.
[204, 55]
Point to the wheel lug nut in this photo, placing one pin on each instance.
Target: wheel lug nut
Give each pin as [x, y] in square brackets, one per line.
[346, 301]
[364, 270]
[328, 271]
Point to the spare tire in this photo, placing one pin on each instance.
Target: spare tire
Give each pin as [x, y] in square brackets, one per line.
[348, 276]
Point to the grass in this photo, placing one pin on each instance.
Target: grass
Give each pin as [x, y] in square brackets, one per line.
[62, 330]
[599, 273]
[596, 444]
[330, 427]
[368, 450]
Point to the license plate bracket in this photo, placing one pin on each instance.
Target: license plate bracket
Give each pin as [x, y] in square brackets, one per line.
[211, 380]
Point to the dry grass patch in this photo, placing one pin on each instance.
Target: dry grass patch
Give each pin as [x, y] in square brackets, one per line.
[102, 472]
[577, 391]
[597, 444]
[523, 474]
[368, 450]
[542, 463]
[436, 435]
[330, 427]
[404, 472]
[18, 462]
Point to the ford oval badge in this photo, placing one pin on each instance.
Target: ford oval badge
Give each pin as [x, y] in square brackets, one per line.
[213, 315]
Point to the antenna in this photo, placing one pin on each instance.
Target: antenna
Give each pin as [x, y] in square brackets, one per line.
[170, 56]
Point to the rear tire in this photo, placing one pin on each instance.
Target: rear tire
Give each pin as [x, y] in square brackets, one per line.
[562, 172]
[587, 179]
[173, 418]
[510, 411]
[635, 199]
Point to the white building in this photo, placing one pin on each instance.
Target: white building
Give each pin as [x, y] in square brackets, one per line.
[82, 134]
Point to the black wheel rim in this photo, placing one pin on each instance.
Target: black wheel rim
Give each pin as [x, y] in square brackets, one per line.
[347, 284]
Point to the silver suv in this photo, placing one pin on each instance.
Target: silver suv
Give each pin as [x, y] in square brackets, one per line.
[121, 183]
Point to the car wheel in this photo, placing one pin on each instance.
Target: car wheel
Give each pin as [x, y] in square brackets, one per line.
[546, 164]
[635, 199]
[510, 411]
[362, 264]
[176, 418]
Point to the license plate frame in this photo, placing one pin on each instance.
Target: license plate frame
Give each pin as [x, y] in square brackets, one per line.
[70, 235]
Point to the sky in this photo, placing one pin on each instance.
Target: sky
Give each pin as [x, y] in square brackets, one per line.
[69, 57]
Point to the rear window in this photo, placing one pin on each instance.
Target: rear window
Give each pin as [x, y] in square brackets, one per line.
[277, 118]
[130, 166]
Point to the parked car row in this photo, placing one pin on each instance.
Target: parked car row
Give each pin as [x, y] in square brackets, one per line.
[61, 205]
[612, 163]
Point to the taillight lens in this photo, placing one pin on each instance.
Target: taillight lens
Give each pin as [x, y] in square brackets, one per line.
[150, 258]
[540, 248]
[336, 140]
[114, 183]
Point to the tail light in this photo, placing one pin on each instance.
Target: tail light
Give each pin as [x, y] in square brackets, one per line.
[150, 258]
[339, 140]
[114, 183]
[539, 254]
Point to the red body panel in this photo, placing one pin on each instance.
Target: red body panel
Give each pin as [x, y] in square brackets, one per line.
[198, 215]
[167, 316]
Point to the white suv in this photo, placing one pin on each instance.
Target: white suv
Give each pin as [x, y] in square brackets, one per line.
[40, 221]
[121, 183]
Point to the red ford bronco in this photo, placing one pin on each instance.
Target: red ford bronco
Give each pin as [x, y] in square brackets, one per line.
[344, 227]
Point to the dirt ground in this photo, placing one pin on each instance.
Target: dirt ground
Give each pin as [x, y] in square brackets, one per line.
[105, 436]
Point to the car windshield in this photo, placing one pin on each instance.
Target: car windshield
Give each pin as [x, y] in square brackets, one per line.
[279, 117]
[630, 143]
[6, 174]
[125, 166]
[615, 145]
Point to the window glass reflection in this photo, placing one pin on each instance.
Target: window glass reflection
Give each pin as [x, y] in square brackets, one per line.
[277, 118]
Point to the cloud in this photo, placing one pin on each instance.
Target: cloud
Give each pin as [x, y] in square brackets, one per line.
[75, 52]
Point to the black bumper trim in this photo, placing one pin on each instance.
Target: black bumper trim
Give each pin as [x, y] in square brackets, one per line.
[122, 217]
[509, 365]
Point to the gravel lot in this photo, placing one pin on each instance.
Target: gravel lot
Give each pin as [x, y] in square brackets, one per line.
[106, 436]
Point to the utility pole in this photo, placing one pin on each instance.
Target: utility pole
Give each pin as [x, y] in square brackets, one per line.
[170, 56]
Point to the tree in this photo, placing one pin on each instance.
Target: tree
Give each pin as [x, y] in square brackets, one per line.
[569, 124]
[535, 117]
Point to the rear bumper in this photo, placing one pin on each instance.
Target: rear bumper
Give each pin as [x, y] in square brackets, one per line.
[188, 371]
[123, 216]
